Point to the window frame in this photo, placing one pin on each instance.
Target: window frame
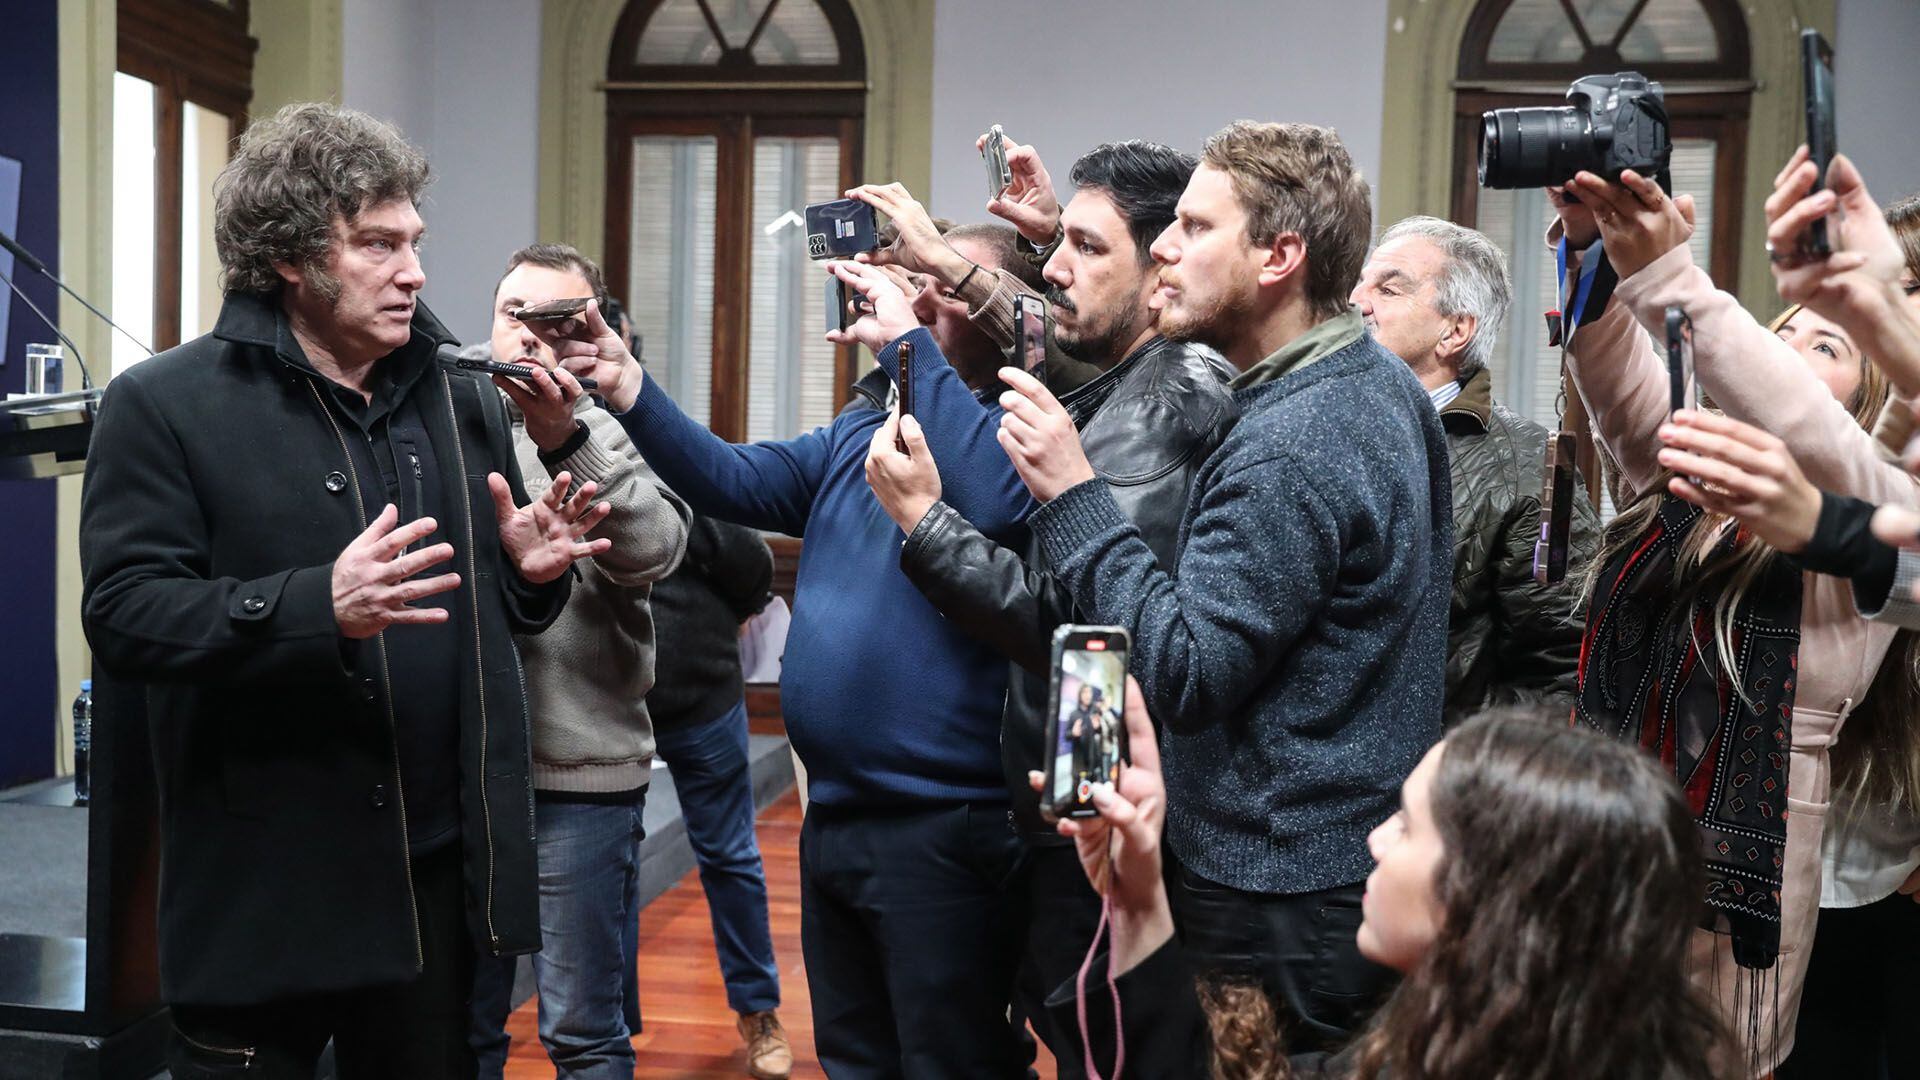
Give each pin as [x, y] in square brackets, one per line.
[196, 51]
[735, 101]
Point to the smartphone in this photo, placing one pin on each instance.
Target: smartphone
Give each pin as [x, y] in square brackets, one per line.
[840, 229]
[1556, 509]
[552, 310]
[1086, 721]
[1030, 332]
[994, 151]
[906, 389]
[1682, 391]
[836, 303]
[514, 371]
[1816, 82]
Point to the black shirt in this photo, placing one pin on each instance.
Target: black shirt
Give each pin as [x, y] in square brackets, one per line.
[422, 674]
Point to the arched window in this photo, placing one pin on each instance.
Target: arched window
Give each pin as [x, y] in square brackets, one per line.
[723, 116]
[1526, 52]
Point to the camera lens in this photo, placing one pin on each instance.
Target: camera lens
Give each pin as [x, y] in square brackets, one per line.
[1534, 147]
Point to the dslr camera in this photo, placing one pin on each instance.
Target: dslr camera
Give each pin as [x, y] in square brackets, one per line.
[1610, 123]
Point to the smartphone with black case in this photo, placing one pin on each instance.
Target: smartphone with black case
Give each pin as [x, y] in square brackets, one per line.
[836, 303]
[1682, 391]
[1086, 718]
[1030, 332]
[1556, 509]
[514, 371]
[1816, 83]
[840, 229]
[905, 385]
[994, 153]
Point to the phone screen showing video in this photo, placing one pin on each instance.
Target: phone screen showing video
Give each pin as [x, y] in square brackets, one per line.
[1090, 678]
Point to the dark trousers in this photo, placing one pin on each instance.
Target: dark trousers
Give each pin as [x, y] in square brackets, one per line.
[911, 931]
[1862, 996]
[1300, 947]
[408, 1031]
[1062, 912]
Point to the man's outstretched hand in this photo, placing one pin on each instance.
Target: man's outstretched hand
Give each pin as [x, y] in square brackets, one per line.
[545, 536]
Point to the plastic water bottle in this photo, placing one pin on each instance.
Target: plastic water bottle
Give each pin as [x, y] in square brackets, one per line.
[82, 742]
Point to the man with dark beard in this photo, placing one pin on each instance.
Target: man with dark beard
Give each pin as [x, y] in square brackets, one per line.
[1293, 650]
[1149, 418]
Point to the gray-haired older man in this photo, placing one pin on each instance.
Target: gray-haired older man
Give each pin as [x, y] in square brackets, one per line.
[1436, 293]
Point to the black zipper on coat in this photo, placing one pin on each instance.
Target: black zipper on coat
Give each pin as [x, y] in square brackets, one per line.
[386, 681]
[473, 576]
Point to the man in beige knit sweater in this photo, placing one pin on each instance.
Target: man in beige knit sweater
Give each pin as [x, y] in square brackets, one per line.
[586, 681]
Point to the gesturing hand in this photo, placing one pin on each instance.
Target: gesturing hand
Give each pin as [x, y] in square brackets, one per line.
[1039, 436]
[1742, 472]
[1638, 222]
[1029, 203]
[1855, 283]
[1120, 849]
[543, 538]
[889, 315]
[370, 587]
[908, 484]
[586, 345]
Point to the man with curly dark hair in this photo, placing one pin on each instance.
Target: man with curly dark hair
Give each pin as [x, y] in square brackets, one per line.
[345, 806]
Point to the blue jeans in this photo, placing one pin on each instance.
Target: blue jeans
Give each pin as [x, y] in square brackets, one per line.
[712, 778]
[585, 972]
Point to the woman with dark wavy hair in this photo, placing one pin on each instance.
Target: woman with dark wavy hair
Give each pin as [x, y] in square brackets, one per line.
[1537, 889]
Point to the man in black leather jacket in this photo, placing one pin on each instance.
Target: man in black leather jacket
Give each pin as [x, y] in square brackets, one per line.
[1148, 420]
[1435, 294]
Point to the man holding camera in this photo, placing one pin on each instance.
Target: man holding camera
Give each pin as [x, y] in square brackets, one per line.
[907, 929]
[1435, 294]
[1152, 415]
[1294, 652]
[345, 806]
[586, 677]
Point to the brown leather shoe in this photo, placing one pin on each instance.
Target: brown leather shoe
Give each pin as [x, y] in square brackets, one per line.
[769, 1057]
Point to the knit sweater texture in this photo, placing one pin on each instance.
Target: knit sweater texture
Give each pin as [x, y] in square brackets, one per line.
[588, 675]
[1294, 656]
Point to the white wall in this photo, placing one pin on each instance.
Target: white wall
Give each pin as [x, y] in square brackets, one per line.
[1878, 88]
[1065, 75]
[461, 79]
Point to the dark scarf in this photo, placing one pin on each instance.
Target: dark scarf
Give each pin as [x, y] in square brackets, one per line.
[1650, 673]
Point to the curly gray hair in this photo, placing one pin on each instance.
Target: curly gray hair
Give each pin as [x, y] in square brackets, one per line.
[292, 173]
[1473, 281]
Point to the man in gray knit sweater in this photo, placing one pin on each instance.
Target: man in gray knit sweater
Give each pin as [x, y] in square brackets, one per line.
[586, 679]
[1294, 654]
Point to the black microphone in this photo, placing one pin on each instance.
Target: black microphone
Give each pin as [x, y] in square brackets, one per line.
[25, 256]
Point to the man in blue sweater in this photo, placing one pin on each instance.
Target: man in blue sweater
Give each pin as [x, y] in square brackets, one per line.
[910, 946]
[1294, 655]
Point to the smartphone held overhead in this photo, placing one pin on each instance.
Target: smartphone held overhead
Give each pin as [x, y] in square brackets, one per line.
[1816, 85]
[994, 152]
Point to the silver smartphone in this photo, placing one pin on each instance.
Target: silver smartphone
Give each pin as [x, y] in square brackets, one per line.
[999, 173]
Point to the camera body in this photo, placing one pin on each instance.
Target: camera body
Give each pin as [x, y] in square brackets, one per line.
[1611, 123]
[840, 229]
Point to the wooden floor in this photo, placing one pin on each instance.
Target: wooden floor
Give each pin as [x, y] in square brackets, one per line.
[688, 1029]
